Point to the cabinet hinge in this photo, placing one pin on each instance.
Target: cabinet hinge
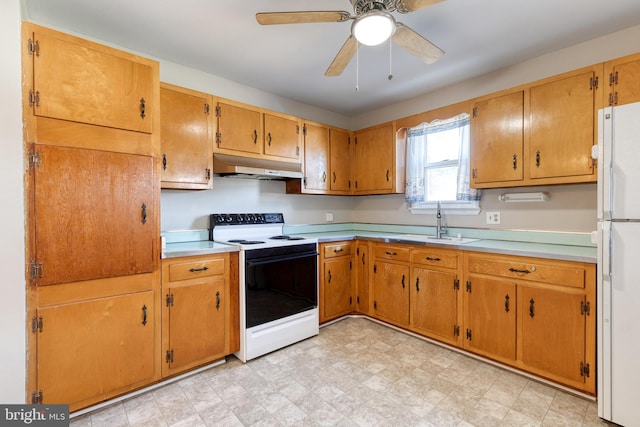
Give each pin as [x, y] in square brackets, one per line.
[468, 286]
[304, 130]
[474, 173]
[474, 112]
[456, 284]
[207, 174]
[350, 265]
[585, 370]
[350, 300]
[355, 140]
[169, 300]
[375, 268]
[456, 330]
[35, 270]
[358, 299]
[33, 47]
[304, 181]
[375, 305]
[349, 140]
[34, 98]
[613, 98]
[613, 79]
[297, 151]
[34, 159]
[218, 138]
[36, 324]
[297, 129]
[169, 356]
[36, 397]
[593, 83]
[585, 308]
[218, 111]
[349, 184]
[207, 108]
[468, 333]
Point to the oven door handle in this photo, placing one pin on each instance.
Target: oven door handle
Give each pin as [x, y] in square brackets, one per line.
[269, 260]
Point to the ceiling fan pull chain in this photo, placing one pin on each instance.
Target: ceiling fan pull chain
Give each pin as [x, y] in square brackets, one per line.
[390, 73]
[357, 65]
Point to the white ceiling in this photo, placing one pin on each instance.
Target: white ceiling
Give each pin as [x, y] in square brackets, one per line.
[224, 39]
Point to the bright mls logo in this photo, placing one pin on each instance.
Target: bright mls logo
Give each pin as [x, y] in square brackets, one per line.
[34, 415]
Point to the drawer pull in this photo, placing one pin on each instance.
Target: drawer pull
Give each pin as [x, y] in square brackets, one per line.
[531, 308]
[506, 303]
[195, 270]
[429, 258]
[337, 250]
[391, 253]
[515, 270]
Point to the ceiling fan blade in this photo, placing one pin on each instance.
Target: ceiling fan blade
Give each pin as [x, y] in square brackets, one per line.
[413, 5]
[343, 57]
[415, 44]
[271, 18]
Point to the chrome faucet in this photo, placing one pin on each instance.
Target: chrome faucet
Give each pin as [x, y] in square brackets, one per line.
[440, 229]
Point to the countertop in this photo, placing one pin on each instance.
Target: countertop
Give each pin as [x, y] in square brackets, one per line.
[559, 246]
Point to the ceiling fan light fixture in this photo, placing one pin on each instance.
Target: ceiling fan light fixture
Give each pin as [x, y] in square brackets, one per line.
[373, 28]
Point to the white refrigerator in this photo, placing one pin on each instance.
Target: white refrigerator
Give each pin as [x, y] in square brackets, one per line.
[618, 289]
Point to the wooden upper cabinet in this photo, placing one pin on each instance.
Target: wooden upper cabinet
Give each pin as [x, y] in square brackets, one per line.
[374, 160]
[282, 136]
[340, 161]
[239, 128]
[623, 79]
[562, 128]
[94, 214]
[186, 140]
[80, 81]
[497, 140]
[316, 158]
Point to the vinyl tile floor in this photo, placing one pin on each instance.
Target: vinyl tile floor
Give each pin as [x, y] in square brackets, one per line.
[356, 372]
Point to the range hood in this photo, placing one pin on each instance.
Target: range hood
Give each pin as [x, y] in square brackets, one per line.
[247, 167]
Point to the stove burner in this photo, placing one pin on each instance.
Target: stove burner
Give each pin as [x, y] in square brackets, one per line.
[245, 242]
[285, 237]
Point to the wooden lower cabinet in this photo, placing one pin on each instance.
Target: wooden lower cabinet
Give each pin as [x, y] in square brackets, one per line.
[336, 280]
[198, 309]
[390, 284]
[490, 318]
[95, 347]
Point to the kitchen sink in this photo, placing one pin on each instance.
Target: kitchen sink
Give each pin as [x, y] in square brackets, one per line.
[448, 240]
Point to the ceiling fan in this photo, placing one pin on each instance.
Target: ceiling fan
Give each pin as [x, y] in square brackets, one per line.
[372, 24]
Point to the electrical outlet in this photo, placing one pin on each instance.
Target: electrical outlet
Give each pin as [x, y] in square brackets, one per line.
[329, 216]
[493, 218]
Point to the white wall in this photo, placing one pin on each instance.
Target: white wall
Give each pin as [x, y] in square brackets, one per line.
[12, 262]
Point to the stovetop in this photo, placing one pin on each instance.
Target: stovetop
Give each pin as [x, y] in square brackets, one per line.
[252, 230]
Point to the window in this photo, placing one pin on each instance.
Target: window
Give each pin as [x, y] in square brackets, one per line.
[438, 167]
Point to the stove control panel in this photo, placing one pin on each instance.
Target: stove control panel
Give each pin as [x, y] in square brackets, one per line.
[246, 218]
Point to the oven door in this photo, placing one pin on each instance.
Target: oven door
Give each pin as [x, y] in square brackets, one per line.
[280, 282]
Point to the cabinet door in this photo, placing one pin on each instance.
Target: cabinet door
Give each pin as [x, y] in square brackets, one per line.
[282, 136]
[239, 129]
[373, 160]
[434, 302]
[338, 290]
[340, 161]
[316, 157]
[93, 213]
[196, 323]
[625, 81]
[497, 137]
[362, 277]
[553, 332]
[490, 318]
[187, 151]
[82, 82]
[90, 348]
[391, 292]
[562, 127]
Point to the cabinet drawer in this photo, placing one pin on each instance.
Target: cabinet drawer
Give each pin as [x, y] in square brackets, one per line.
[195, 269]
[397, 253]
[332, 250]
[434, 258]
[530, 269]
